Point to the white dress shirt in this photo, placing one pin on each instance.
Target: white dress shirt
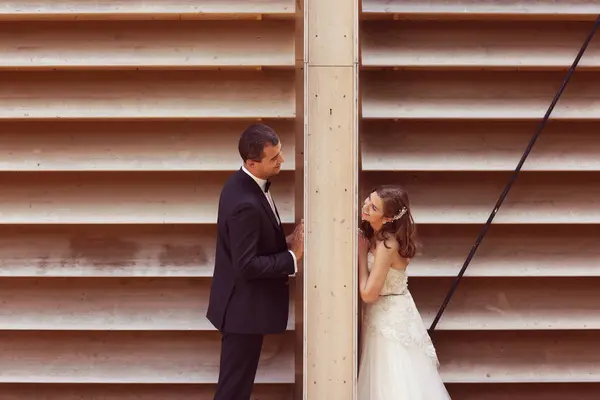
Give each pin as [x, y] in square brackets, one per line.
[262, 183]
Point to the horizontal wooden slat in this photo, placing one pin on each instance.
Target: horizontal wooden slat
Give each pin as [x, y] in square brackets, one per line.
[469, 198]
[547, 391]
[105, 198]
[510, 303]
[129, 146]
[476, 44]
[478, 95]
[162, 250]
[146, 44]
[130, 357]
[519, 356]
[132, 392]
[509, 250]
[147, 94]
[144, 304]
[533, 391]
[479, 146]
[141, 9]
[580, 9]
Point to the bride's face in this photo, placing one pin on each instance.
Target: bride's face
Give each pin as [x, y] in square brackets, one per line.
[372, 210]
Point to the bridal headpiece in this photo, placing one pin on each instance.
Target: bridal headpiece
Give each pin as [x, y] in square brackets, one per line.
[400, 214]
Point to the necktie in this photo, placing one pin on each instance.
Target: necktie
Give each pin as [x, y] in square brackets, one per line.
[267, 186]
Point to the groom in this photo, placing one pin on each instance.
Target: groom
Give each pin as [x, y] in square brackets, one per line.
[249, 296]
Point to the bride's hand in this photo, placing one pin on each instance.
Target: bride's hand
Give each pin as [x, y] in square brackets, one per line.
[363, 243]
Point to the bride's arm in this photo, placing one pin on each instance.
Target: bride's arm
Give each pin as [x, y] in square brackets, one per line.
[363, 271]
[370, 284]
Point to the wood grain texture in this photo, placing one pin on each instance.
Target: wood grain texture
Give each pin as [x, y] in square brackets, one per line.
[519, 356]
[533, 391]
[331, 183]
[142, 9]
[146, 94]
[107, 250]
[99, 304]
[494, 303]
[478, 44]
[481, 95]
[117, 198]
[509, 250]
[131, 392]
[477, 9]
[486, 145]
[124, 146]
[167, 357]
[146, 44]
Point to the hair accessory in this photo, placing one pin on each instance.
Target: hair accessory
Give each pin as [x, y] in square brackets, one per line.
[400, 214]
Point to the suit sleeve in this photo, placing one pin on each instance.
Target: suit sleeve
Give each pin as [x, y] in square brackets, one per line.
[244, 232]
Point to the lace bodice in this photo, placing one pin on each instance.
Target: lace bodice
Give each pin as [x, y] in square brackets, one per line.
[396, 281]
[395, 314]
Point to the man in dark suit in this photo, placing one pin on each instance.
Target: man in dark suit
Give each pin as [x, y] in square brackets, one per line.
[249, 296]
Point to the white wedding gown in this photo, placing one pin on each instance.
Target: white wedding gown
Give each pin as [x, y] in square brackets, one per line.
[398, 360]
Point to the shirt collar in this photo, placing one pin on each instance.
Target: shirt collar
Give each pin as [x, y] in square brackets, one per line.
[260, 182]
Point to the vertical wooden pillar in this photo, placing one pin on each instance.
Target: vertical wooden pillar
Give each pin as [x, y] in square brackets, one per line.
[299, 134]
[330, 198]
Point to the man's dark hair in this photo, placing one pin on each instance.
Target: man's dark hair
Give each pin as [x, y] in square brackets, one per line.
[253, 141]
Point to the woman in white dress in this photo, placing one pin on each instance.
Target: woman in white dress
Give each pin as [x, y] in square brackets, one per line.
[398, 360]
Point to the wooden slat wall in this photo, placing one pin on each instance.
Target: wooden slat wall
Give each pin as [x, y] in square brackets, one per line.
[452, 92]
[118, 125]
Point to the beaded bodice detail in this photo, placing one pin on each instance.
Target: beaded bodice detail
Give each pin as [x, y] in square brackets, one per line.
[396, 281]
[395, 315]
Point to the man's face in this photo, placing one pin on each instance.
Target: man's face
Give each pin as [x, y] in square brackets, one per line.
[270, 165]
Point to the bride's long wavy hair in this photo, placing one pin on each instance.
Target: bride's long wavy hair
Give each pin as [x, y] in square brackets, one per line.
[402, 226]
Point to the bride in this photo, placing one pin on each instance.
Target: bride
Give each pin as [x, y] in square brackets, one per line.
[398, 361]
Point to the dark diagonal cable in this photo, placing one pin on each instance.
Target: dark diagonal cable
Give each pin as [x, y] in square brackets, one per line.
[513, 177]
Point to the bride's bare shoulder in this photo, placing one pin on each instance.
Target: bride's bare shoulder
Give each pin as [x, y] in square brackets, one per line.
[390, 248]
[386, 250]
[387, 245]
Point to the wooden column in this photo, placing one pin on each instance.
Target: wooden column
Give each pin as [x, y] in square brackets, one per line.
[299, 135]
[330, 198]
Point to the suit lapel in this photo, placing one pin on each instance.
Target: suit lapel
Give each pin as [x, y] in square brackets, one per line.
[277, 212]
[269, 210]
[263, 199]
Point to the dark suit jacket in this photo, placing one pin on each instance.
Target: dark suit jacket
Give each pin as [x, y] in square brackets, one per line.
[250, 291]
